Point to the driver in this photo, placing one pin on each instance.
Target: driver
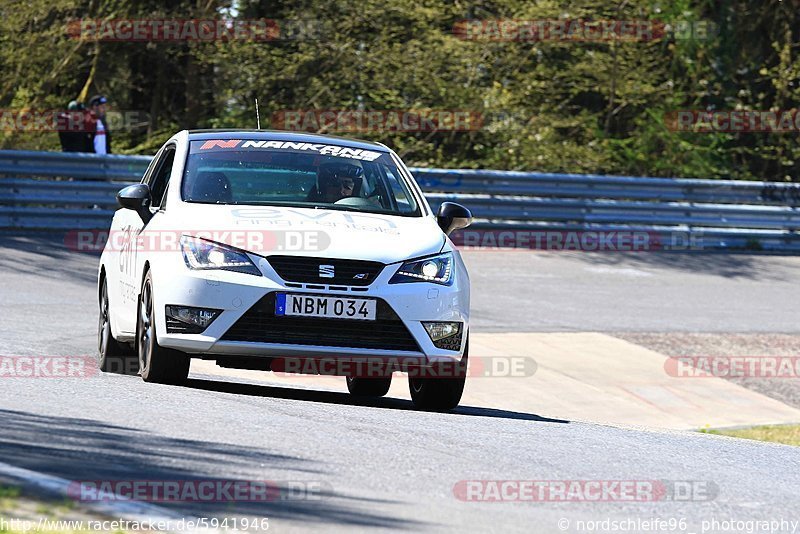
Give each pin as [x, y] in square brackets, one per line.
[338, 180]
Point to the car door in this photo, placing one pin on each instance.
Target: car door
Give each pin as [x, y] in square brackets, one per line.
[136, 244]
[115, 258]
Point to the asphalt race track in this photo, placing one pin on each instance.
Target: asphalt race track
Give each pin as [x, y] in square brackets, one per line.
[381, 465]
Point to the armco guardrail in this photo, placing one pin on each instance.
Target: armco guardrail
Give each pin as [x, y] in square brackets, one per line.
[54, 190]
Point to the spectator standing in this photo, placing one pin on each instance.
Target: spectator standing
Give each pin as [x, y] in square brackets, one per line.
[72, 131]
[102, 136]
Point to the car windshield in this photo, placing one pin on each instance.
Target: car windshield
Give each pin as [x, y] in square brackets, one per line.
[257, 172]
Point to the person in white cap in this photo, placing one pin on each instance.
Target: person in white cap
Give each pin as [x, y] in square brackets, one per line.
[102, 137]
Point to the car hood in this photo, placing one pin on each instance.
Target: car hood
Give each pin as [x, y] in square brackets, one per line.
[321, 233]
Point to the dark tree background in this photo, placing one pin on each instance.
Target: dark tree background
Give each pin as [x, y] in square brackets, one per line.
[552, 106]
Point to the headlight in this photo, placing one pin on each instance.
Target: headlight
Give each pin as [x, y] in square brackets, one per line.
[200, 254]
[436, 269]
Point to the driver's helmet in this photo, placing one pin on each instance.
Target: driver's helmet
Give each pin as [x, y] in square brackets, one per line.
[338, 174]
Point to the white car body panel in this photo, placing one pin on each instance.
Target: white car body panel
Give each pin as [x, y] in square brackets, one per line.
[388, 239]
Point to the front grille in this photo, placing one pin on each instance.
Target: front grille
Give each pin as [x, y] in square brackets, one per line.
[307, 270]
[260, 324]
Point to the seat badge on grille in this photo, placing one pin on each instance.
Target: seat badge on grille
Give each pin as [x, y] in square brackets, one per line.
[361, 276]
[326, 271]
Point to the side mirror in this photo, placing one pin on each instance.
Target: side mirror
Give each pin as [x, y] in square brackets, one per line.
[453, 217]
[137, 198]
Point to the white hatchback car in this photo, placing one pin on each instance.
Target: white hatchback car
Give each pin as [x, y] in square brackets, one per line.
[285, 252]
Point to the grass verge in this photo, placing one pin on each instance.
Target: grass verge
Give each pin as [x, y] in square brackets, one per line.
[786, 434]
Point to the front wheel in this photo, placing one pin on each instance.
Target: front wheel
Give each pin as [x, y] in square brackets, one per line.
[439, 394]
[112, 356]
[157, 364]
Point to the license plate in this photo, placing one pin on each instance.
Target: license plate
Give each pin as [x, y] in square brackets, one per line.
[321, 306]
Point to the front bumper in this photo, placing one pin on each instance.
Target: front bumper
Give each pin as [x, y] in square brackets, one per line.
[236, 294]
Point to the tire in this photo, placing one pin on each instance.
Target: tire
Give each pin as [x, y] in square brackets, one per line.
[112, 356]
[157, 364]
[439, 394]
[368, 387]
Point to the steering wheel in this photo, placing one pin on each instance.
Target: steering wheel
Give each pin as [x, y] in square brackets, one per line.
[358, 202]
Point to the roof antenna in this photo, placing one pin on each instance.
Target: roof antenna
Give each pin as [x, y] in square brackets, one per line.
[258, 117]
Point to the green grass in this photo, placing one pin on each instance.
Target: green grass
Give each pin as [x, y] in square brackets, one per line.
[54, 509]
[9, 492]
[786, 434]
[9, 501]
[8, 497]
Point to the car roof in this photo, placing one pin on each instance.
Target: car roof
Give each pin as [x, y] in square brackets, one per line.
[282, 135]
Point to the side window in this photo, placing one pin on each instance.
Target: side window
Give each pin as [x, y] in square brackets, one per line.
[148, 174]
[160, 178]
[405, 201]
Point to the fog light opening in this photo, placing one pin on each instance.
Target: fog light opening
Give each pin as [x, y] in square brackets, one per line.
[445, 335]
[190, 320]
